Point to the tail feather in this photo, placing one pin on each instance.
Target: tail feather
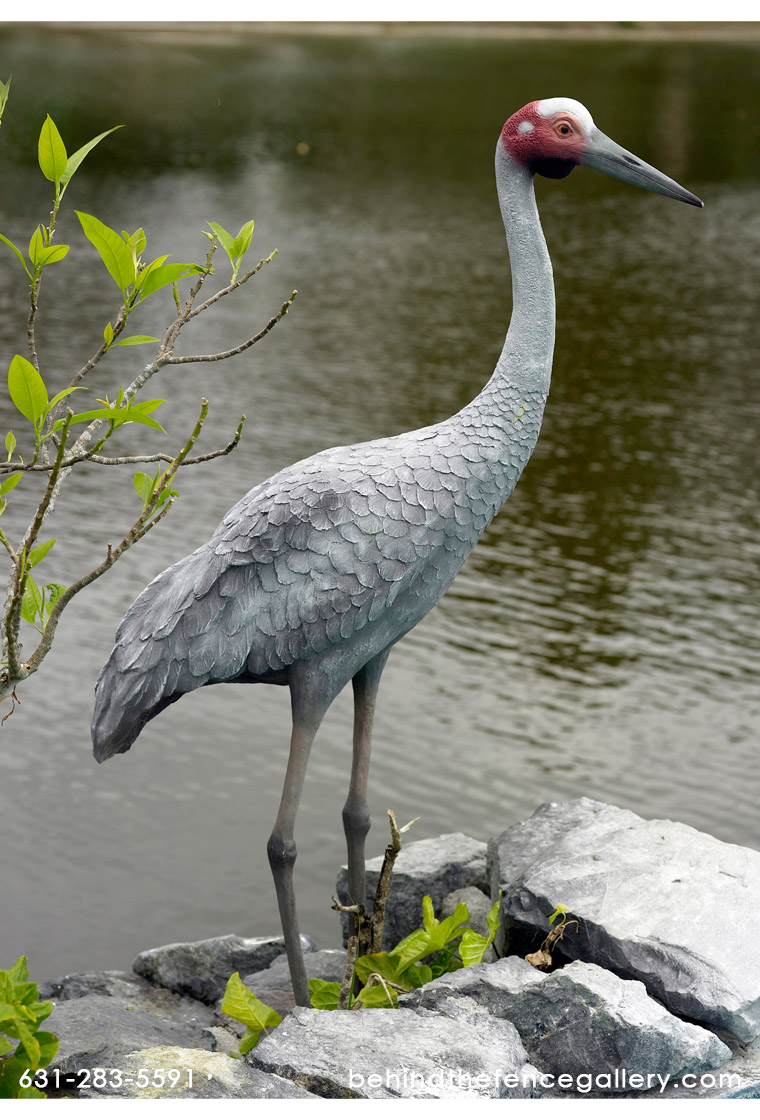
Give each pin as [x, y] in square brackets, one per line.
[148, 669]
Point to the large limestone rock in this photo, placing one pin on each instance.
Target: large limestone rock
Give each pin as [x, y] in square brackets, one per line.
[399, 1052]
[166, 1073]
[98, 1031]
[436, 867]
[582, 1020]
[201, 969]
[656, 901]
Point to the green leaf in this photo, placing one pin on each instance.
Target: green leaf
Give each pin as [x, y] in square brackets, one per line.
[559, 911]
[324, 994]
[240, 1002]
[166, 274]
[136, 340]
[5, 1046]
[226, 240]
[49, 1044]
[30, 1044]
[145, 272]
[376, 997]
[11, 1069]
[27, 389]
[10, 445]
[5, 88]
[144, 485]
[51, 254]
[146, 406]
[18, 253]
[32, 1094]
[118, 415]
[61, 396]
[74, 161]
[8, 1011]
[11, 480]
[108, 334]
[31, 604]
[249, 1040]
[36, 245]
[416, 975]
[113, 251]
[19, 974]
[39, 553]
[242, 242]
[387, 965]
[51, 151]
[55, 591]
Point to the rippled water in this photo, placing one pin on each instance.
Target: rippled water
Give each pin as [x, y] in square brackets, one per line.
[603, 637]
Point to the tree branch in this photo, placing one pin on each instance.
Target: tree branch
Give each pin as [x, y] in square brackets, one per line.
[118, 461]
[145, 522]
[231, 287]
[220, 357]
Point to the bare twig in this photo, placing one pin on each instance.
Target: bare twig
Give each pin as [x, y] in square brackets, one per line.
[145, 522]
[8, 547]
[19, 575]
[220, 357]
[231, 287]
[348, 976]
[30, 340]
[118, 461]
[375, 931]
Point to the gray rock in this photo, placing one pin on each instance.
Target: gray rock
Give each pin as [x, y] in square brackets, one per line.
[388, 1052]
[188, 1074]
[436, 867]
[273, 987]
[98, 1031]
[201, 969]
[478, 905]
[739, 1079]
[657, 901]
[581, 1019]
[132, 992]
[523, 844]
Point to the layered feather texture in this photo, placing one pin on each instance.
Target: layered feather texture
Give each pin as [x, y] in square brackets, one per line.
[345, 551]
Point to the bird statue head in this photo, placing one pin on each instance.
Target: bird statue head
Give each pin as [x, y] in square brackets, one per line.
[553, 136]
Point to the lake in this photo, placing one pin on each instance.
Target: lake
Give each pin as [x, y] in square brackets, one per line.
[602, 639]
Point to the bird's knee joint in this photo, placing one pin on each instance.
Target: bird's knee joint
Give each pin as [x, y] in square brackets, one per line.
[356, 819]
[281, 852]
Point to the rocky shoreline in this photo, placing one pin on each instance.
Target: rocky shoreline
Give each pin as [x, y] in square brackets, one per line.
[658, 993]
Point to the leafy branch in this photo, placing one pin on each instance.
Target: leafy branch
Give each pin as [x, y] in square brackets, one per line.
[56, 437]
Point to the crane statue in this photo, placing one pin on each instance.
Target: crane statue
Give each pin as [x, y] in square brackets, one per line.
[319, 570]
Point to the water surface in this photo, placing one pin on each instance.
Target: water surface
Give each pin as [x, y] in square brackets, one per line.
[603, 637]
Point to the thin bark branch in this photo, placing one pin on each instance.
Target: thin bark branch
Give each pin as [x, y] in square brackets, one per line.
[102, 460]
[30, 339]
[220, 357]
[17, 586]
[145, 522]
[348, 976]
[8, 547]
[231, 287]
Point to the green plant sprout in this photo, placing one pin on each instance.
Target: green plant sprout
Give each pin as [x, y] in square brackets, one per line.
[21, 1013]
[434, 949]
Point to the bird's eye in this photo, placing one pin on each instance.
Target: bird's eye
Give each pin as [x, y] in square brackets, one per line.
[564, 129]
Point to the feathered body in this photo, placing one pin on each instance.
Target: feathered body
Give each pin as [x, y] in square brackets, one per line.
[317, 572]
[335, 557]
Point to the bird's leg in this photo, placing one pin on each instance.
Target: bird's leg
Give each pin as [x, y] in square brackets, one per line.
[281, 848]
[356, 821]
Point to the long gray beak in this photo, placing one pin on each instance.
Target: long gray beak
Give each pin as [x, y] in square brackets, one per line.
[605, 155]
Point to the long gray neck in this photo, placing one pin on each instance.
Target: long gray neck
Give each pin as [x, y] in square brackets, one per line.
[523, 371]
